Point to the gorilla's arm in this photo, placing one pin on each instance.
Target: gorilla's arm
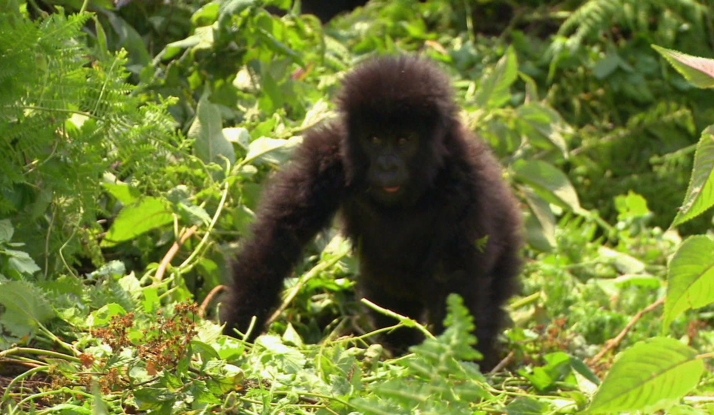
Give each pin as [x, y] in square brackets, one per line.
[299, 202]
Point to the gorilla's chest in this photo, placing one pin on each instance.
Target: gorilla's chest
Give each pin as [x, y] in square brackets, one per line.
[400, 241]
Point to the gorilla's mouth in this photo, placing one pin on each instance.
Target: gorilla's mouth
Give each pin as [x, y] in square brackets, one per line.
[391, 189]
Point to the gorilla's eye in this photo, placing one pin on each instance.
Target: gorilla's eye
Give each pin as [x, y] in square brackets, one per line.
[402, 141]
[375, 140]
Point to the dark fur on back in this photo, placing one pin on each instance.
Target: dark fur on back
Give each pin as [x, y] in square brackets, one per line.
[414, 253]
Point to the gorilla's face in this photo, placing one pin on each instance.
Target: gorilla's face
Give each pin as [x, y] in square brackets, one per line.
[390, 154]
[392, 157]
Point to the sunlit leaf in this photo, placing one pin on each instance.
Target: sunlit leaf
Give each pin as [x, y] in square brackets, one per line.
[273, 151]
[549, 182]
[648, 375]
[494, 91]
[149, 213]
[698, 71]
[700, 194]
[211, 145]
[690, 283]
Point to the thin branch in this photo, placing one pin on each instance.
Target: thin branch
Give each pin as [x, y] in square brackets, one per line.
[506, 360]
[209, 298]
[614, 342]
[172, 252]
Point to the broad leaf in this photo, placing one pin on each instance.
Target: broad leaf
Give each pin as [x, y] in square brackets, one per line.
[690, 283]
[211, 145]
[205, 15]
[542, 233]
[494, 90]
[698, 71]
[543, 126]
[6, 230]
[647, 376]
[149, 213]
[549, 182]
[21, 261]
[273, 151]
[527, 406]
[122, 192]
[700, 194]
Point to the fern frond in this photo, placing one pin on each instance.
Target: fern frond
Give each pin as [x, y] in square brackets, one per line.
[64, 123]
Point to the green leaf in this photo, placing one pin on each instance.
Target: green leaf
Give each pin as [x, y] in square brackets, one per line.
[545, 219]
[205, 15]
[549, 182]
[690, 283]
[624, 263]
[647, 376]
[122, 192]
[606, 66]
[25, 307]
[149, 213]
[129, 39]
[104, 315]
[207, 129]
[6, 230]
[698, 71]
[273, 151]
[494, 90]
[237, 135]
[543, 126]
[527, 406]
[231, 7]
[700, 194]
[201, 39]
[20, 261]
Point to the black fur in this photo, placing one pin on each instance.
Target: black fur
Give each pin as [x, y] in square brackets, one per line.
[412, 252]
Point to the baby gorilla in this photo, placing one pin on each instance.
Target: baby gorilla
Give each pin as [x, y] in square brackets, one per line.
[420, 198]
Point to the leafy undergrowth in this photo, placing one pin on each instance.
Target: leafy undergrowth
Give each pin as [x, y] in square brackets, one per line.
[135, 138]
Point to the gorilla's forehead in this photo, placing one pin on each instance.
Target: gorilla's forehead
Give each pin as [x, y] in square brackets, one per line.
[394, 85]
[390, 118]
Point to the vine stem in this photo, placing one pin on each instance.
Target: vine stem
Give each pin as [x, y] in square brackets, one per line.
[84, 6]
[407, 321]
[187, 262]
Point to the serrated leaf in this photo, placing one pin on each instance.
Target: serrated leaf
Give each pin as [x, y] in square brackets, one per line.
[700, 194]
[210, 145]
[25, 306]
[647, 376]
[21, 261]
[494, 91]
[149, 213]
[698, 71]
[690, 283]
[549, 182]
